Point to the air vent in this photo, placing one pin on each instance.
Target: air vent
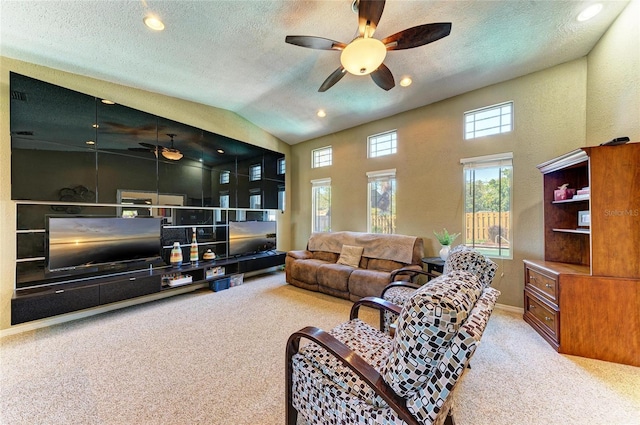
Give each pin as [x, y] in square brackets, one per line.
[23, 133]
[18, 95]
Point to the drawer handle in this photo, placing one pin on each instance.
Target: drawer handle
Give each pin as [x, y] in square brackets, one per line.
[59, 291]
[548, 319]
[531, 277]
[548, 285]
[531, 307]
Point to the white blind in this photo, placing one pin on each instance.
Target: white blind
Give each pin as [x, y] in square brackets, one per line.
[488, 161]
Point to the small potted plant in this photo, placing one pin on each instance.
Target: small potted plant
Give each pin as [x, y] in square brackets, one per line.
[446, 239]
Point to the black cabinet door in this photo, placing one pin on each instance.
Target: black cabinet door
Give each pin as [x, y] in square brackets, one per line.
[132, 287]
[53, 302]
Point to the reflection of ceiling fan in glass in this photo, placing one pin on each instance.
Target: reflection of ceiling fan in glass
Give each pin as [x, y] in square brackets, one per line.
[170, 153]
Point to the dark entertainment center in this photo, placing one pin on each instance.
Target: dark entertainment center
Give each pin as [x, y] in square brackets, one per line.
[101, 200]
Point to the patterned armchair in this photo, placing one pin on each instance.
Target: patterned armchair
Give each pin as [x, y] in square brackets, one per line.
[461, 258]
[356, 374]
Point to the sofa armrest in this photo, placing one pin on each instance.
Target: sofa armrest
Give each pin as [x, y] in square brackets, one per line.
[409, 273]
[300, 255]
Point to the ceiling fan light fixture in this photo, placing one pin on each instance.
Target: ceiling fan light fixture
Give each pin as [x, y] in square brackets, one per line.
[172, 154]
[363, 56]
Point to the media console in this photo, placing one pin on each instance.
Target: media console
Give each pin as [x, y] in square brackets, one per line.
[79, 294]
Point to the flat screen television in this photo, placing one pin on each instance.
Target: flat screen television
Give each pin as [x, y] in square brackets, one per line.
[250, 237]
[95, 244]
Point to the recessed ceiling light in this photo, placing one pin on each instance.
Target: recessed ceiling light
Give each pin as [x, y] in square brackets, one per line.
[220, 151]
[406, 81]
[95, 126]
[590, 12]
[90, 142]
[153, 23]
[321, 113]
[108, 102]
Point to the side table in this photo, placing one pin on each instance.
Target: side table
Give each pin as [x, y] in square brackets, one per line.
[433, 264]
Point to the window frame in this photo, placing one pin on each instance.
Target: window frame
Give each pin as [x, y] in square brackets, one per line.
[485, 109]
[372, 141]
[253, 175]
[498, 163]
[227, 177]
[316, 154]
[375, 177]
[281, 167]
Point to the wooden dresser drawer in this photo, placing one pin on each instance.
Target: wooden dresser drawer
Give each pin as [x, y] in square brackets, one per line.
[542, 316]
[547, 285]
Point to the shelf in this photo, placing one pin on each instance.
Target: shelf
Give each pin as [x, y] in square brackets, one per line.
[578, 231]
[568, 201]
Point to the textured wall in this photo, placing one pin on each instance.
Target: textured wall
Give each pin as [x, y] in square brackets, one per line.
[429, 174]
[613, 83]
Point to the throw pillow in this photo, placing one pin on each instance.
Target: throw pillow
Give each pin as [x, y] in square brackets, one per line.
[350, 255]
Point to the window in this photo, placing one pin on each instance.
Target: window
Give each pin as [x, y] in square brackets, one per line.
[255, 200]
[224, 199]
[382, 201]
[224, 203]
[281, 197]
[382, 144]
[321, 205]
[321, 157]
[494, 119]
[281, 166]
[255, 172]
[487, 204]
[224, 177]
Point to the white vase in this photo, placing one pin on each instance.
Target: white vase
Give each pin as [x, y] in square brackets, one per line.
[444, 252]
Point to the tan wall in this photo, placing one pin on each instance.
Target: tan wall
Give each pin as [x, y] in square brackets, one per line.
[429, 174]
[613, 82]
[208, 118]
[580, 103]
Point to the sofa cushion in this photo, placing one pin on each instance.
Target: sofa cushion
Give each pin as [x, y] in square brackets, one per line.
[335, 276]
[427, 322]
[306, 270]
[329, 257]
[350, 255]
[383, 265]
[367, 283]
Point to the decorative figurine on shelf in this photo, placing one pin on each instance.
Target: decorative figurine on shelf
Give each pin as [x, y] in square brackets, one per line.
[209, 255]
[193, 253]
[176, 255]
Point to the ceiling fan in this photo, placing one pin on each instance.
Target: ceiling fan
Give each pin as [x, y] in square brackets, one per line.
[364, 55]
[171, 153]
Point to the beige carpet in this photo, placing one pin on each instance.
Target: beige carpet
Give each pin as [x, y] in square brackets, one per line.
[218, 358]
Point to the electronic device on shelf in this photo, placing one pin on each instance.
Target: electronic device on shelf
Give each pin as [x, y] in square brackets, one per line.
[77, 245]
[616, 141]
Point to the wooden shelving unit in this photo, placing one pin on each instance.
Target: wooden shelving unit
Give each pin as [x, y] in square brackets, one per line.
[584, 298]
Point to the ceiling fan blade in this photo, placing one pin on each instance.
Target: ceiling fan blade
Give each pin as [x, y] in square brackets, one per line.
[314, 42]
[417, 36]
[369, 14]
[332, 79]
[383, 77]
[141, 150]
[148, 146]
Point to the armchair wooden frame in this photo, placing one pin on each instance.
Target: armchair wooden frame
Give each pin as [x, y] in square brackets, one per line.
[351, 359]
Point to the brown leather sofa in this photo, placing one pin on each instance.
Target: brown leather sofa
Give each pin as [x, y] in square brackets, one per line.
[319, 268]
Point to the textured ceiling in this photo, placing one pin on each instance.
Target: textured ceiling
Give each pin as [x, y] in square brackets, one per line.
[232, 54]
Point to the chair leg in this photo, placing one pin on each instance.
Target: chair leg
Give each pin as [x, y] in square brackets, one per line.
[449, 420]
